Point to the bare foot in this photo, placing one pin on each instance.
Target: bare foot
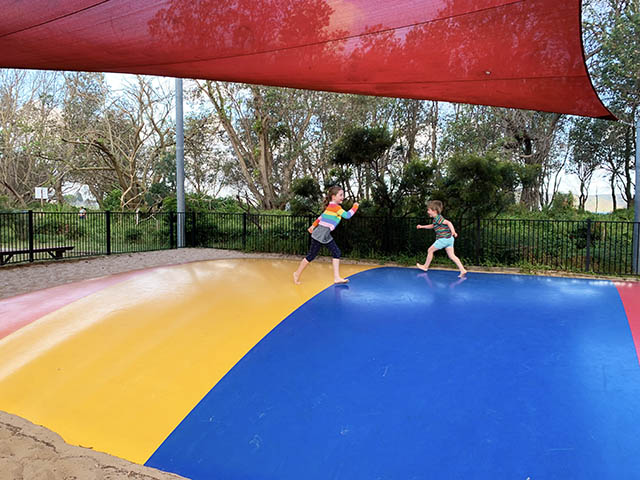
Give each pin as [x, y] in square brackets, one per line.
[421, 267]
[462, 273]
[340, 280]
[296, 279]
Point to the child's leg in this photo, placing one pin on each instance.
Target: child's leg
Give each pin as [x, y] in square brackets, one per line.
[313, 252]
[456, 260]
[430, 253]
[296, 275]
[336, 254]
[336, 272]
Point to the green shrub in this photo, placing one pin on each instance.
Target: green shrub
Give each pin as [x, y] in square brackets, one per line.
[63, 226]
[132, 234]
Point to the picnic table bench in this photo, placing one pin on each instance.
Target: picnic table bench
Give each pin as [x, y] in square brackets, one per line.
[55, 252]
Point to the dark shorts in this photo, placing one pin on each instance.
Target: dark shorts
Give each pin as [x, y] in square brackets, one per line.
[316, 246]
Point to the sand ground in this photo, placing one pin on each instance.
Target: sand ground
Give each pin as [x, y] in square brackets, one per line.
[31, 452]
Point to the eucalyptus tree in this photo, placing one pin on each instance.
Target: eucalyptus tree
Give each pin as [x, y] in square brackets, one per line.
[86, 98]
[612, 42]
[29, 114]
[525, 138]
[529, 141]
[337, 114]
[122, 142]
[266, 128]
[586, 155]
[209, 162]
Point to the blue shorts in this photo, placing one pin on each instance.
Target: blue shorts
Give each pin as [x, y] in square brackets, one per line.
[443, 243]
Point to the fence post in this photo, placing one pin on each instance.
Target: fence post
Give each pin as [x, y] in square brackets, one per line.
[194, 223]
[31, 236]
[244, 230]
[107, 219]
[171, 223]
[588, 259]
[477, 240]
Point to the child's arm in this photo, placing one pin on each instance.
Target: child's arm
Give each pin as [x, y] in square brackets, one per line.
[350, 213]
[419, 227]
[314, 225]
[451, 227]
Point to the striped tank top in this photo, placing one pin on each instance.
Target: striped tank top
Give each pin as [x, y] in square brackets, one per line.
[442, 231]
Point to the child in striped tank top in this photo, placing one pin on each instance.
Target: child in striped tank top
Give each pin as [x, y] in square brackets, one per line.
[445, 233]
[321, 233]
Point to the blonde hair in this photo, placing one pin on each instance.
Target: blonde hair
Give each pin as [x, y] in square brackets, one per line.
[330, 193]
[435, 205]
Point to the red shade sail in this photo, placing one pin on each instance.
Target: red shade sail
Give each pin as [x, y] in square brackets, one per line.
[520, 54]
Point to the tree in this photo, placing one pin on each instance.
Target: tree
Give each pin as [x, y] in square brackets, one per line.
[554, 168]
[526, 138]
[585, 138]
[265, 127]
[209, 162]
[307, 197]
[530, 138]
[365, 148]
[399, 187]
[127, 140]
[28, 119]
[476, 186]
[86, 97]
[470, 129]
[334, 116]
[612, 41]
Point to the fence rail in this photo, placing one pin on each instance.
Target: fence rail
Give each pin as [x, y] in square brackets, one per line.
[605, 247]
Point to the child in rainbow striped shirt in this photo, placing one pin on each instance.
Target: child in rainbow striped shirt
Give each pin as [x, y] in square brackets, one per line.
[445, 233]
[321, 233]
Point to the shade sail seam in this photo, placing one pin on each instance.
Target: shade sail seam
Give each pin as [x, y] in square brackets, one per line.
[54, 19]
[311, 44]
[419, 82]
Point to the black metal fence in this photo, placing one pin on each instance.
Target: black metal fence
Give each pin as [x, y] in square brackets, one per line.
[604, 247]
[31, 236]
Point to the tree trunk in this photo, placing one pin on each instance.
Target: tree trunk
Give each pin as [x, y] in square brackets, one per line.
[99, 196]
[628, 154]
[582, 199]
[530, 193]
[13, 192]
[613, 191]
[58, 190]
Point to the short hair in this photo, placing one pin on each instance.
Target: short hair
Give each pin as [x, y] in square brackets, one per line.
[435, 205]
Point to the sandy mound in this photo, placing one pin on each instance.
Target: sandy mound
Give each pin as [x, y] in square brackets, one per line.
[31, 452]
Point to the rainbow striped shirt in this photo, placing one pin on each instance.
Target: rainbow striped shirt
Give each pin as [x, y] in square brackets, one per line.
[332, 215]
[442, 231]
[330, 219]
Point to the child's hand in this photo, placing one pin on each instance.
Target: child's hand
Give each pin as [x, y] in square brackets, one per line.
[455, 235]
[356, 204]
[310, 229]
[418, 227]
